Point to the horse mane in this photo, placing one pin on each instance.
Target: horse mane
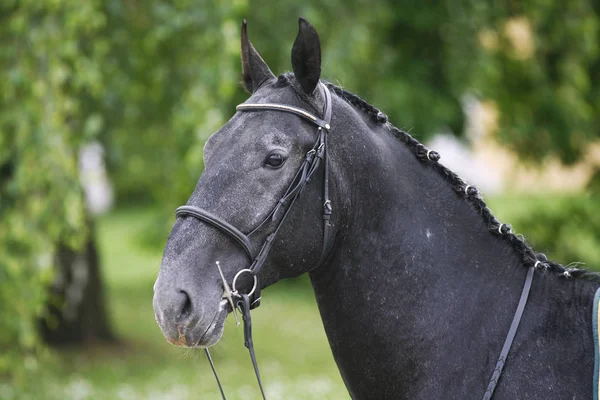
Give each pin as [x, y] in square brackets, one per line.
[470, 193]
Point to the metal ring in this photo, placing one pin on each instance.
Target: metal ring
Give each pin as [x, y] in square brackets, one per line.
[500, 228]
[536, 264]
[467, 189]
[238, 274]
[428, 153]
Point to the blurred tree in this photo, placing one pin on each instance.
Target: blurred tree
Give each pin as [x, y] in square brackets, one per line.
[49, 55]
[169, 73]
[173, 70]
[539, 61]
[75, 311]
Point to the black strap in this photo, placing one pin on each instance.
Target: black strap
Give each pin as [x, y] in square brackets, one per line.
[291, 196]
[212, 366]
[218, 223]
[243, 303]
[489, 392]
[327, 205]
[244, 306]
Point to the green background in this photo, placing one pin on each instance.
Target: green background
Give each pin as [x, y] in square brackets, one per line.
[151, 80]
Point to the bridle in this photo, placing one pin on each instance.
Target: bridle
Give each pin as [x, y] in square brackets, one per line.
[310, 164]
[313, 158]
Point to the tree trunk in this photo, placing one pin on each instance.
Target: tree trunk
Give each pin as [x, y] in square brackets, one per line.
[76, 311]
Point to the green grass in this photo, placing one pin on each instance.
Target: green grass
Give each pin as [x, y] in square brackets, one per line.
[291, 347]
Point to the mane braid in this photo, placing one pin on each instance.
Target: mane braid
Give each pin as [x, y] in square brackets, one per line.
[470, 193]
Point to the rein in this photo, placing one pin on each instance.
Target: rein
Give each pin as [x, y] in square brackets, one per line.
[313, 158]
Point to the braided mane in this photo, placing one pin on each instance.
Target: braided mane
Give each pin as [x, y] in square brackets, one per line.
[470, 193]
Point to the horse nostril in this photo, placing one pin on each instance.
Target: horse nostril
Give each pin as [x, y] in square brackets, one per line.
[186, 309]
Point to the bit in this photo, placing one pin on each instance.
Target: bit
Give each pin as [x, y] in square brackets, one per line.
[227, 293]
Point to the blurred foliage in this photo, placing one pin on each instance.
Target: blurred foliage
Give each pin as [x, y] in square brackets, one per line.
[172, 74]
[49, 63]
[566, 228]
[539, 61]
[170, 69]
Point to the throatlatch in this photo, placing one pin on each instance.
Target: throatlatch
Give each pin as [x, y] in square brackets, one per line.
[310, 164]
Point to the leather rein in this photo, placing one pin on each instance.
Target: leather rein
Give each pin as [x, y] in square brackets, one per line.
[313, 158]
[258, 255]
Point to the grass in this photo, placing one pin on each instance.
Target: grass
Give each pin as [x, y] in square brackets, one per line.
[292, 350]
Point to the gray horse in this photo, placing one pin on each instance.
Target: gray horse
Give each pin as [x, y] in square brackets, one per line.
[417, 282]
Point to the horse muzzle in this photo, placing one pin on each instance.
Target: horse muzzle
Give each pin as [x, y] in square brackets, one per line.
[186, 321]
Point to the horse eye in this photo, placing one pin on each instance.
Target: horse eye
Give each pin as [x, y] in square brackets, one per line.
[274, 160]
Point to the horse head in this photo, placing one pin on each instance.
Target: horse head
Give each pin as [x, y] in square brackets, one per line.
[245, 234]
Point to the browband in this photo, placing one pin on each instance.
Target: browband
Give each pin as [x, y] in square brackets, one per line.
[280, 107]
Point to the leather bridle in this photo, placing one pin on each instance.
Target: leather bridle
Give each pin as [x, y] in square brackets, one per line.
[312, 160]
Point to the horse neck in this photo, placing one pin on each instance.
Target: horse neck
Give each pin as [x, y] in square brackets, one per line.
[410, 254]
[401, 217]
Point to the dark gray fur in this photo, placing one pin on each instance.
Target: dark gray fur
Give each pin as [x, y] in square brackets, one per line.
[416, 295]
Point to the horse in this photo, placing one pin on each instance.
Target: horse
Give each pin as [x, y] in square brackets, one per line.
[416, 281]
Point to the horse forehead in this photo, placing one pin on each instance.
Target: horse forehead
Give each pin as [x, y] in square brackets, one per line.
[269, 94]
[260, 128]
[251, 132]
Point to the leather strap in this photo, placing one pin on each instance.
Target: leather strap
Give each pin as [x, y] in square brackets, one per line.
[312, 161]
[489, 392]
[218, 223]
[327, 205]
[282, 107]
[244, 306]
[212, 366]
[307, 170]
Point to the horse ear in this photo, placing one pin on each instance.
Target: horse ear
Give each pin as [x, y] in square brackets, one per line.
[255, 70]
[306, 56]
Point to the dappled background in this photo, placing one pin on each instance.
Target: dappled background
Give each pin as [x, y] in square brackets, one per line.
[104, 110]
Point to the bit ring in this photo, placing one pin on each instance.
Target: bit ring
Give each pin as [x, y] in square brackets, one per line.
[237, 276]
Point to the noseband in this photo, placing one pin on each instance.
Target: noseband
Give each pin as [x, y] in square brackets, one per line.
[310, 164]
